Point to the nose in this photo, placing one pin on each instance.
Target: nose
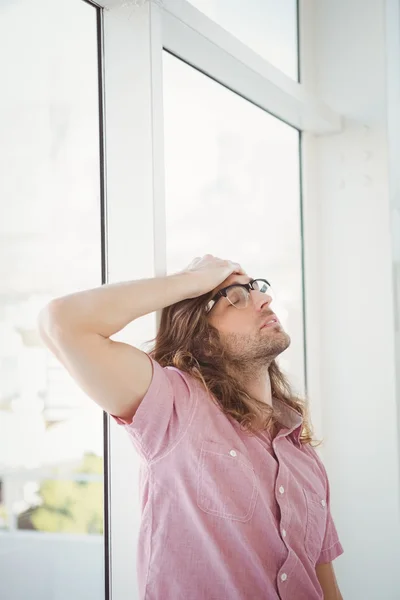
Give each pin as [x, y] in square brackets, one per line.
[260, 300]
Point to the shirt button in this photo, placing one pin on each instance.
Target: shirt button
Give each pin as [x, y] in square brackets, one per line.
[283, 577]
[281, 489]
[284, 532]
[323, 502]
[232, 453]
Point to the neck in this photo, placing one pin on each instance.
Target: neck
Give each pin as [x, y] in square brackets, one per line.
[256, 383]
[260, 387]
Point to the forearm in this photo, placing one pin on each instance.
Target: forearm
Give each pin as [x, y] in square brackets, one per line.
[327, 579]
[108, 309]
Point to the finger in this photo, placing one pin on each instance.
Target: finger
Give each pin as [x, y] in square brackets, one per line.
[241, 271]
[194, 261]
[236, 267]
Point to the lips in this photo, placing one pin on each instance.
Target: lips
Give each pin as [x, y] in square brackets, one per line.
[272, 320]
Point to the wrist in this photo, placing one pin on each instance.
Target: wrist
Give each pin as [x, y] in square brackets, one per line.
[190, 284]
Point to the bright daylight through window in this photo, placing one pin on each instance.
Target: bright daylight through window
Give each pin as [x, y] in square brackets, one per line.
[223, 154]
[51, 442]
[266, 26]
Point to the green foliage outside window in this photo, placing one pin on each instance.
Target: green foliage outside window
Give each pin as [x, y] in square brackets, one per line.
[70, 506]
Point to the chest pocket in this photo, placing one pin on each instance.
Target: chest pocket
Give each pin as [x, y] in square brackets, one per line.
[315, 524]
[227, 483]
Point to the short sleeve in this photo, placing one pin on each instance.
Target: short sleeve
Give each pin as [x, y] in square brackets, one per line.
[164, 413]
[331, 546]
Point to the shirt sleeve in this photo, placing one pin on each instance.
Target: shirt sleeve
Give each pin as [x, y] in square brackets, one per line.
[331, 546]
[164, 413]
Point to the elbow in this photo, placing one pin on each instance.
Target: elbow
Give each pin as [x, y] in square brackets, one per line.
[49, 320]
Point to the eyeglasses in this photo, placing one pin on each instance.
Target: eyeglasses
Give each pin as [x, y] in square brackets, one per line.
[238, 294]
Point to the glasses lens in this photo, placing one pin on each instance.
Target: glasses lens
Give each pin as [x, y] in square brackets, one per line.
[261, 286]
[238, 296]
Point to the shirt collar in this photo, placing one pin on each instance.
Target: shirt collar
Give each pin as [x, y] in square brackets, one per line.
[290, 419]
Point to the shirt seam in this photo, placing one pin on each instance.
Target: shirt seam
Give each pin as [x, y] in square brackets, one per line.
[137, 435]
[329, 548]
[151, 533]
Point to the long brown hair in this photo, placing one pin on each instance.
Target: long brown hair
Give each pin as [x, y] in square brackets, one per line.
[187, 341]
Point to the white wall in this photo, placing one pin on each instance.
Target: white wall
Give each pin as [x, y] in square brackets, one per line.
[393, 119]
[359, 408]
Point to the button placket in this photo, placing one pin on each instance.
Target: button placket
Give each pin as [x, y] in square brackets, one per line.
[281, 490]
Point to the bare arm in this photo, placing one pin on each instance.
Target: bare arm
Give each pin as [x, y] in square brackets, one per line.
[77, 329]
[108, 309]
[327, 579]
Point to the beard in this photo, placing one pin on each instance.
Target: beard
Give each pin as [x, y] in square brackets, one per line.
[251, 353]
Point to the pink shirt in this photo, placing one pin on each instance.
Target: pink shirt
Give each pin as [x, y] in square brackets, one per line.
[226, 515]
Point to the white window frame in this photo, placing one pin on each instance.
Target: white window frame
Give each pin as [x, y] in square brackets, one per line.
[134, 35]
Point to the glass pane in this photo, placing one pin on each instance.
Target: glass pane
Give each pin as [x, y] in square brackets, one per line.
[231, 167]
[51, 435]
[269, 27]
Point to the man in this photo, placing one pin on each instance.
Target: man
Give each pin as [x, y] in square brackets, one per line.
[235, 499]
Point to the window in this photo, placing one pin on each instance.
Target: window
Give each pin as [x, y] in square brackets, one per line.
[233, 190]
[51, 481]
[268, 27]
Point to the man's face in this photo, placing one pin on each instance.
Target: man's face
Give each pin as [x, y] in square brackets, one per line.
[243, 334]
